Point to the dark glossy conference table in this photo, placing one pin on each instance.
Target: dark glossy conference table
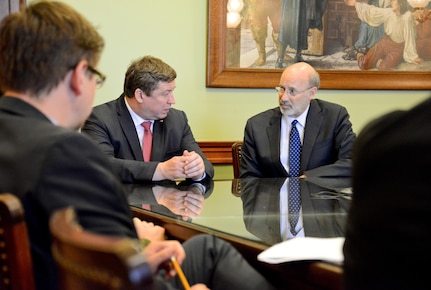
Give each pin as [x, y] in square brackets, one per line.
[246, 212]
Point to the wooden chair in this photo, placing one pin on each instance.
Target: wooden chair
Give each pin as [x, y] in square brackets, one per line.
[16, 270]
[236, 159]
[92, 261]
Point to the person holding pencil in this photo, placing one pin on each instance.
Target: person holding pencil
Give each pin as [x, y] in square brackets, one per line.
[49, 56]
[200, 261]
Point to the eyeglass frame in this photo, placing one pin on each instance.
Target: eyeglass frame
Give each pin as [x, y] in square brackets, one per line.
[293, 94]
[100, 77]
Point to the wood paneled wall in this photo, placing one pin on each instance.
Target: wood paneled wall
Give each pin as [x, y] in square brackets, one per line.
[217, 152]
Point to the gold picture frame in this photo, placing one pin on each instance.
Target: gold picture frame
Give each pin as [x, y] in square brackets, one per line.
[220, 75]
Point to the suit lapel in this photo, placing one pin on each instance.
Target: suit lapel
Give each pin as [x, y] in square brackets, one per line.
[158, 151]
[128, 128]
[273, 132]
[312, 127]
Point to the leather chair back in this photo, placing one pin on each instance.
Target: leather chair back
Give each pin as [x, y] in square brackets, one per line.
[236, 160]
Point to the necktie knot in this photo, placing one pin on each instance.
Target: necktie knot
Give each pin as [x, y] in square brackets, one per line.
[146, 125]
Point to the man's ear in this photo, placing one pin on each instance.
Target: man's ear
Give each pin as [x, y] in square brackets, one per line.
[139, 95]
[313, 92]
[77, 81]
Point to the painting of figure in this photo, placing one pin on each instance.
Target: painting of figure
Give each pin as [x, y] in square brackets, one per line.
[352, 35]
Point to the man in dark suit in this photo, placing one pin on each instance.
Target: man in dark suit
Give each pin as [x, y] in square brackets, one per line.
[388, 228]
[48, 94]
[148, 96]
[325, 131]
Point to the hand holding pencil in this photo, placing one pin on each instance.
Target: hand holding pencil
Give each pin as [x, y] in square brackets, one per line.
[168, 254]
[183, 278]
[180, 273]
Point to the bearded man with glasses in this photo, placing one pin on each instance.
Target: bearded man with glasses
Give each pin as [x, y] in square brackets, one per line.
[324, 128]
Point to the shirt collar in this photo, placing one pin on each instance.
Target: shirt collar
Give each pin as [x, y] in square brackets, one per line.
[137, 120]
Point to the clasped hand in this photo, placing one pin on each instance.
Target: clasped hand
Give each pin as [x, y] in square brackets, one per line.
[186, 203]
[188, 165]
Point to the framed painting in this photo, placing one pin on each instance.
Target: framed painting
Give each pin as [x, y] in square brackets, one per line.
[233, 52]
[10, 6]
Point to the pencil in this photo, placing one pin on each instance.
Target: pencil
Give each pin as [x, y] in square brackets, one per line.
[180, 273]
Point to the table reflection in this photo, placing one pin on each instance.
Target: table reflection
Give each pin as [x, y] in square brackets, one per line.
[180, 200]
[248, 214]
[324, 207]
[251, 208]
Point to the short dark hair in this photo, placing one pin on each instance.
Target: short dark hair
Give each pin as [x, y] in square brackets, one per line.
[145, 74]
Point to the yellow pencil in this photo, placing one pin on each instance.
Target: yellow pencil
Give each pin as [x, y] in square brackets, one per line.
[180, 273]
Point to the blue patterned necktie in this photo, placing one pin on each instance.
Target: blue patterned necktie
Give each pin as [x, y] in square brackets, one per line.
[294, 198]
[294, 150]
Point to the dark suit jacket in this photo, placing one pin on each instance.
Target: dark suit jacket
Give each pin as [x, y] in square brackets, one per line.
[48, 168]
[111, 126]
[389, 229]
[326, 149]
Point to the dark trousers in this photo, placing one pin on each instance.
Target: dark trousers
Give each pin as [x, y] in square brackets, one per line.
[215, 263]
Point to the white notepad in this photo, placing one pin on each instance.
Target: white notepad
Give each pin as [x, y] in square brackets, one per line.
[305, 249]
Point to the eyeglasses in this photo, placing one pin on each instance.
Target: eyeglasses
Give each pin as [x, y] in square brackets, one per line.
[290, 91]
[100, 77]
